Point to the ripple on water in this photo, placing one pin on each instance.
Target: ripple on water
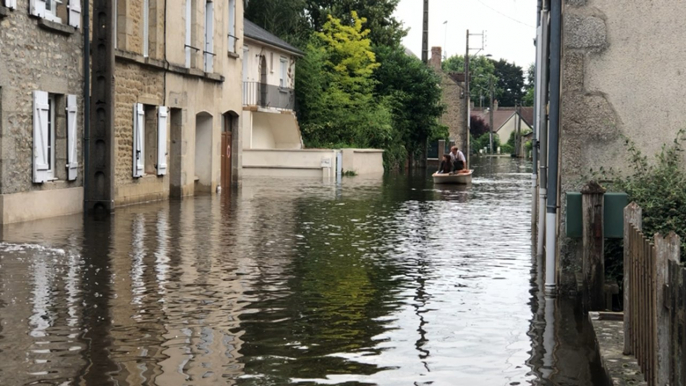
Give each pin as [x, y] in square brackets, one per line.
[388, 281]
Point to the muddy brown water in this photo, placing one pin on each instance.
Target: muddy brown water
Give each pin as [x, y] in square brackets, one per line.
[374, 281]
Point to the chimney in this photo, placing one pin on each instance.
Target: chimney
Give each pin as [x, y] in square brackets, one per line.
[435, 62]
[495, 105]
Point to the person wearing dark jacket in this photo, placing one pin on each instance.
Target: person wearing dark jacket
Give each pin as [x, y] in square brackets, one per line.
[446, 165]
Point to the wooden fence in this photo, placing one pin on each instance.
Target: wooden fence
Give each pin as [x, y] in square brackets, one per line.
[654, 302]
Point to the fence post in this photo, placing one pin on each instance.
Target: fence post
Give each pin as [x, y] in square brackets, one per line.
[593, 244]
[632, 215]
[667, 249]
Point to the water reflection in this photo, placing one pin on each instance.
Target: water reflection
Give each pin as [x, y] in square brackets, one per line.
[369, 282]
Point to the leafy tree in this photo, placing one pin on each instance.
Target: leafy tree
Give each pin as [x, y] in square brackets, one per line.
[478, 126]
[482, 71]
[529, 97]
[529, 86]
[510, 82]
[415, 102]
[283, 18]
[335, 89]
[385, 29]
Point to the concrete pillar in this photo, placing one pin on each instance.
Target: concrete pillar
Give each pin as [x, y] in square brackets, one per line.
[99, 191]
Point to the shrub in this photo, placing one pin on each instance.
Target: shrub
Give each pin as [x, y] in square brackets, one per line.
[659, 188]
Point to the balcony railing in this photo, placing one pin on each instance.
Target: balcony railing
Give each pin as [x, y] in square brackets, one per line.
[267, 95]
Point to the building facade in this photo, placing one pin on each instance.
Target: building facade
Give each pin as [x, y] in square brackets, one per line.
[176, 97]
[453, 87]
[41, 105]
[619, 77]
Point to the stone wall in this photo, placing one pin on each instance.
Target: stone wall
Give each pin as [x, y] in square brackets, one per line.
[134, 83]
[35, 55]
[621, 77]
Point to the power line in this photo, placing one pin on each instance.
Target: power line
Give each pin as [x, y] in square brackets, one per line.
[505, 15]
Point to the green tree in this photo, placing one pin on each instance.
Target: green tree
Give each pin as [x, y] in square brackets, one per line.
[415, 100]
[283, 18]
[529, 86]
[510, 82]
[482, 71]
[335, 88]
[384, 28]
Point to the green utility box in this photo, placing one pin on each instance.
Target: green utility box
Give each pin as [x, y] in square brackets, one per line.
[613, 212]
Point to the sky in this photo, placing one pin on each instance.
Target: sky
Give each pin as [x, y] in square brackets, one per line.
[509, 25]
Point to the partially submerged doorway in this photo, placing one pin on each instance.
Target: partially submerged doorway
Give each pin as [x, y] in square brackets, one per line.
[203, 153]
[229, 129]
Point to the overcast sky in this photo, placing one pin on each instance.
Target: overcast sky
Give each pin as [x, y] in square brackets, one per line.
[510, 27]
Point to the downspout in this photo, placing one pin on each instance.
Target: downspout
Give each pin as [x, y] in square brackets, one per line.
[551, 209]
[86, 98]
[534, 148]
[542, 99]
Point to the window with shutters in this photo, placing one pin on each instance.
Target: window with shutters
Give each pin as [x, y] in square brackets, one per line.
[58, 11]
[55, 137]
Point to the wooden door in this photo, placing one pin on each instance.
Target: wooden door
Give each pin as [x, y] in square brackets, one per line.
[226, 160]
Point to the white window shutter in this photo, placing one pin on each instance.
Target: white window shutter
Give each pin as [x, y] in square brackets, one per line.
[188, 33]
[209, 35]
[75, 13]
[72, 141]
[11, 4]
[41, 109]
[37, 8]
[162, 113]
[138, 128]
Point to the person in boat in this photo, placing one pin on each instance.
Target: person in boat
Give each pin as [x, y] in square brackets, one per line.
[458, 160]
[446, 165]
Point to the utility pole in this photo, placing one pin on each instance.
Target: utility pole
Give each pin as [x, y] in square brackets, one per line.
[467, 100]
[425, 33]
[490, 115]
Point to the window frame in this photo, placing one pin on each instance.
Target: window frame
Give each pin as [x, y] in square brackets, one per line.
[51, 10]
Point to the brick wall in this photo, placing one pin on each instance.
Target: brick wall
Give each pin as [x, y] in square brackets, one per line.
[34, 58]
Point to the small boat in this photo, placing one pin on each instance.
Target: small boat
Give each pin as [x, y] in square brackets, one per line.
[461, 178]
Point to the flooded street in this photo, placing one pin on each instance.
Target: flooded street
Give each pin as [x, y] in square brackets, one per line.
[371, 282]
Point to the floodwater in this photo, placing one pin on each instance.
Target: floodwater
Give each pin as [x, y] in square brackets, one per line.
[377, 281]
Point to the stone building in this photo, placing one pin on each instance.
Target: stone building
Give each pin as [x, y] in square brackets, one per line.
[621, 76]
[176, 97]
[455, 115]
[41, 105]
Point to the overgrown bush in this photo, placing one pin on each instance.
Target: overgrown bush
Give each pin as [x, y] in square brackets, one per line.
[659, 188]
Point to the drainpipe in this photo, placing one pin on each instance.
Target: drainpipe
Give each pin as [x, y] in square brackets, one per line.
[551, 209]
[534, 150]
[85, 13]
[542, 120]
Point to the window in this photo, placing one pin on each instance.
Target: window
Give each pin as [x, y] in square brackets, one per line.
[209, 35]
[48, 114]
[51, 10]
[283, 75]
[232, 26]
[149, 140]
[11, 4]
[57, 10]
